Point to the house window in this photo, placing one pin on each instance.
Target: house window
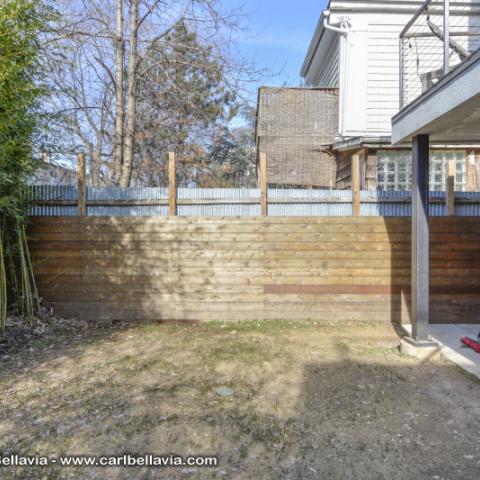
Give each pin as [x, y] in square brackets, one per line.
[394, 169]
[439, 165]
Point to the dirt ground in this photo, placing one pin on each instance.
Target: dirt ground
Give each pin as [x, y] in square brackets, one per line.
[309, 401]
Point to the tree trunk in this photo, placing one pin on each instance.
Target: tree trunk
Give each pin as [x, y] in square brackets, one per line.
[119, 94]
[97, 159]
[91, 163]
[131, 98]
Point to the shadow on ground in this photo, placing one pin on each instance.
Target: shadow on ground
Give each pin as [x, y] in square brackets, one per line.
[309, 402]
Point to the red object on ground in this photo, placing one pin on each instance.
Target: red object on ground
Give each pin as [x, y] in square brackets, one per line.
[471, 343]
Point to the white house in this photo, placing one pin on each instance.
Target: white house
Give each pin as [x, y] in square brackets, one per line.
[356, 48]
[440, 102]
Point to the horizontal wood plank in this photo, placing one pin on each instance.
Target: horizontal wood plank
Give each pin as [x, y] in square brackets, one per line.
[238, 268]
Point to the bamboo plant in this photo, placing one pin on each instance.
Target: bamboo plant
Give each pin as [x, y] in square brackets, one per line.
[21, 24]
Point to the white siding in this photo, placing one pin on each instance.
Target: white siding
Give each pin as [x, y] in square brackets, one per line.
[366, 69]
[382, 76]
[328, 75]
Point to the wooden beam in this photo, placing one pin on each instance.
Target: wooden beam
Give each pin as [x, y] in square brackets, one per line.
[81, 184]
[471, 183]
[356, 185]
[263, 185]
[172, 185]
[450, 197]
[420, 237]
[371, 170]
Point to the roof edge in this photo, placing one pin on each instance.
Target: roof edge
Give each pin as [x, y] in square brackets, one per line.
[359, 142]
[353, 6]
[313, 47]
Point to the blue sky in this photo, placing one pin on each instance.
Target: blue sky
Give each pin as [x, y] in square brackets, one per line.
[279, 35]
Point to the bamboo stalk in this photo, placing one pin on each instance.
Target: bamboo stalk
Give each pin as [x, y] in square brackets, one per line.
[36, 297]
[3, 285]
[26, 293]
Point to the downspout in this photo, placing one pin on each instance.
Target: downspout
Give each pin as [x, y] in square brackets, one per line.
[344, 31]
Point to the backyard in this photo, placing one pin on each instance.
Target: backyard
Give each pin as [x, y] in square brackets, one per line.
[307, 400]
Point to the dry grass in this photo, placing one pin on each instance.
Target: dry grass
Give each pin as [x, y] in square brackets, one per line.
[310, 401]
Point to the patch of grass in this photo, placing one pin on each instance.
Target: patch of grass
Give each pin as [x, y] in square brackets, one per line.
[270, 327]
[246, 350]
[343, 347]
[267, 429]
[137, 425]
[156, 389]
[159, 329]
[375, 350]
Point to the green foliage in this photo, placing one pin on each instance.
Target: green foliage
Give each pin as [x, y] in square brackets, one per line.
[232, 153]
[21, 22]
[19, 27]
[183, 98]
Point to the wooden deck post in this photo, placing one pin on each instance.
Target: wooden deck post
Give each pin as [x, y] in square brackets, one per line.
[81, 184]
[172, 186]
[450, 198]
[355, 180]
[263, 185]
[420, 238]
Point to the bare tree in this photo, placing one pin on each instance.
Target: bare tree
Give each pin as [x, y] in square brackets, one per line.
[119, 92]
[111, 61]
[129, 144]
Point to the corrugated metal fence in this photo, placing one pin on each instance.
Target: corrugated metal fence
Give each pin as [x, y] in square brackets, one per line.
[56, 200]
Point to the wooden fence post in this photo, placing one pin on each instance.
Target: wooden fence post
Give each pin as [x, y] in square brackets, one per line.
[355, 180]
[263, 185]
[81, 184]
[450, 198]
[172, 185]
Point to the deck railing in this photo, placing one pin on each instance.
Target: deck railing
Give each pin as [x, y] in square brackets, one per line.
[441, 35]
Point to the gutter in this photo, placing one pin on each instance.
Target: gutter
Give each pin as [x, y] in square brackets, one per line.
[351, 6]
[385, 142]
[343, 30]
[360, 142]
[322, 26]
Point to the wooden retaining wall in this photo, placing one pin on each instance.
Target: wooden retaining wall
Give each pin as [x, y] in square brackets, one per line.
[316, 268]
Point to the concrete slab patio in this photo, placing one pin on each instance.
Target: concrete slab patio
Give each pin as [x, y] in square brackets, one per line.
[452, 349]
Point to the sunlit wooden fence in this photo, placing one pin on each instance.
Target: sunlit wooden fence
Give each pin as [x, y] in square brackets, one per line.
[252, 268]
